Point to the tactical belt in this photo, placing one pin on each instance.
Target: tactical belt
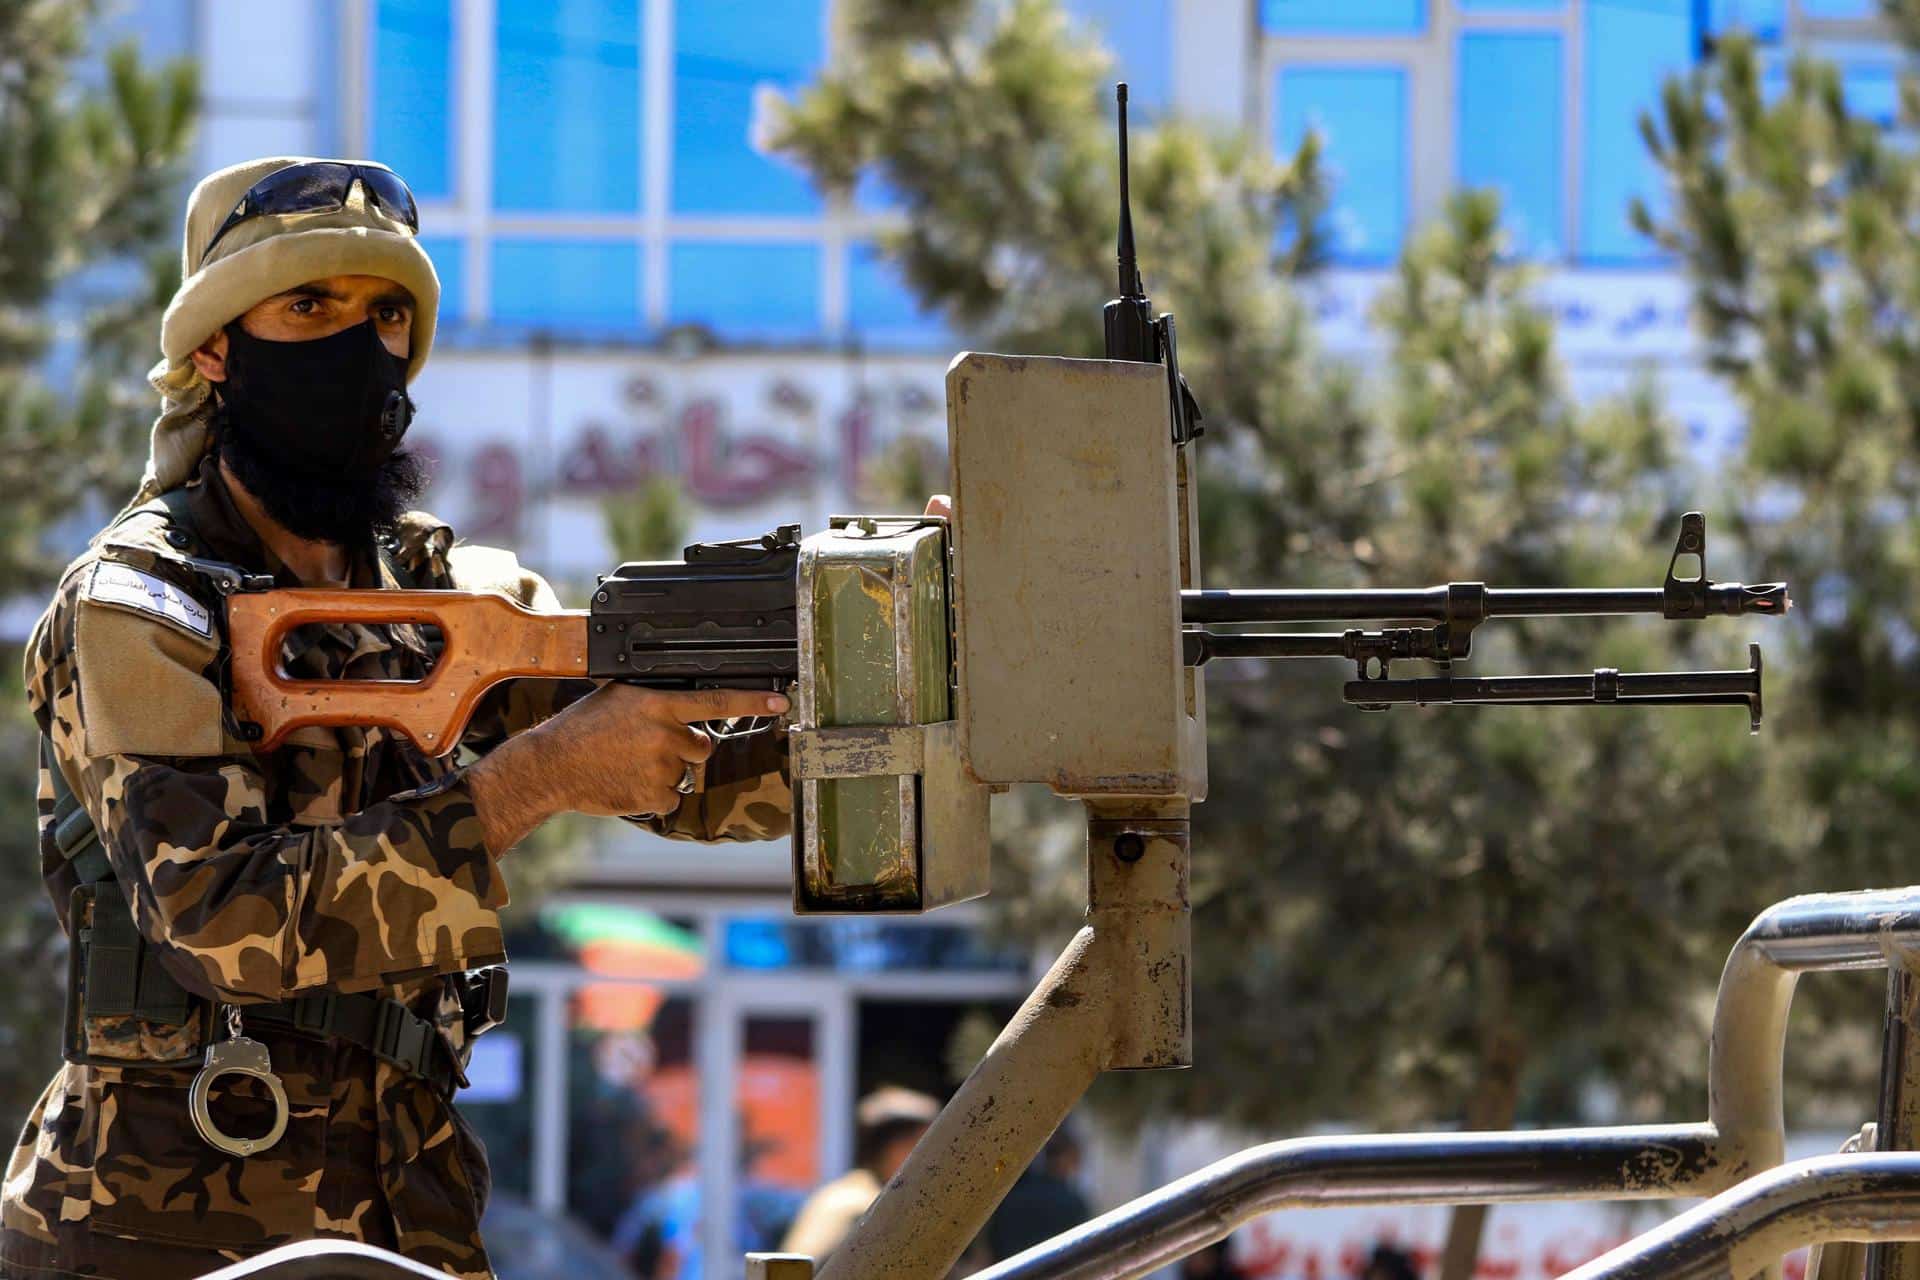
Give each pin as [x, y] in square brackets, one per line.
[385, 1028]
[120, 975]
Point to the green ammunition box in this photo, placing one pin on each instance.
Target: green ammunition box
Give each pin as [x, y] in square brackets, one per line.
[880, 796]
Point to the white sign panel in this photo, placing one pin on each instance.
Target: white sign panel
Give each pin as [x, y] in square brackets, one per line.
[1618, 316]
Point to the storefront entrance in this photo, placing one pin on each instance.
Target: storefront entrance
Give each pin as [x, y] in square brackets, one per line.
[663, 1056]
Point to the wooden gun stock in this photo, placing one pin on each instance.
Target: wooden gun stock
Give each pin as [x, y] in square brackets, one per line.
[486, 637]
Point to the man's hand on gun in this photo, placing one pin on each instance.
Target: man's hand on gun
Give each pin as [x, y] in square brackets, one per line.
[620, 750]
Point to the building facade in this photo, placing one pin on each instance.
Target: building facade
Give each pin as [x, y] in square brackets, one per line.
[634, 289]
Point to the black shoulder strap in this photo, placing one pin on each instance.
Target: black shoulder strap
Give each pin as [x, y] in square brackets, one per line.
[172, 504]
[180, 516]
[405, 577]
[183, 536]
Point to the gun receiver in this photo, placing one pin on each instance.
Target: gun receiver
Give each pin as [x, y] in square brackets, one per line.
[1457, 608]
[724, 617]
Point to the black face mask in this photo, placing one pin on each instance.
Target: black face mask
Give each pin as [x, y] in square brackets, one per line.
[310, 429]
[331, 405]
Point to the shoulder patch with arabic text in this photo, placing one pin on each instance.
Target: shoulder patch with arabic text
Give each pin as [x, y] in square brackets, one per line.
[122, 584]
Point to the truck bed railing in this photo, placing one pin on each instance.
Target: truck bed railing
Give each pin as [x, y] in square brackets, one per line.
[1745, 1134]
[1871, 1197]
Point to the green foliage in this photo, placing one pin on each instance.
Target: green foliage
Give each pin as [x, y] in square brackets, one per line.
[906, 472]
[649, 524]
[1416, 903]
[88, 184]
[1793, 219]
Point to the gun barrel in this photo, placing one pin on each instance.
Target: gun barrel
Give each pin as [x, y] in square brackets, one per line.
[1216, 607]
[1473, 602]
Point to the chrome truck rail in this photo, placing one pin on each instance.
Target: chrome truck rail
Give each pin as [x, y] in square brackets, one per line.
[1744, 1134]
[1655, 1161]
[326, 1260]
[1870, 1197]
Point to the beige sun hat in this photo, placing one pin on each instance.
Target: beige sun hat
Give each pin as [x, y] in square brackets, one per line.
[256, 259]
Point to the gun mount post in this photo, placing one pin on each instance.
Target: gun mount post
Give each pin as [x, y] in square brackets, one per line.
[1118, 998]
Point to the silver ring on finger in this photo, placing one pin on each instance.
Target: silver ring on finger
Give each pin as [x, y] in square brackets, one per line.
[688, 780]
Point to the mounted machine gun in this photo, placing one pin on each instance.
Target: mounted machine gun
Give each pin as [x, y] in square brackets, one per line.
[1027, 642]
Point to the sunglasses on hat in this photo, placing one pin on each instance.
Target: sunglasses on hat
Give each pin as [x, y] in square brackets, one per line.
[321, 187]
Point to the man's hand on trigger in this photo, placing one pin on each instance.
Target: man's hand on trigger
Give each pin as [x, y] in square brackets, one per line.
[631, 746]
[620, 750]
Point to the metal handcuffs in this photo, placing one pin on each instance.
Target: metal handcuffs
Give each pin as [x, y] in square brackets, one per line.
[237, 1055]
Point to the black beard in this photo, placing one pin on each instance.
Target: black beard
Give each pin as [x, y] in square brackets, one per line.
[340, 507]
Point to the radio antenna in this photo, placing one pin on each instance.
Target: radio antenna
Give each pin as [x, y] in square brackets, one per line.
[1129, 317]
[1131, 285]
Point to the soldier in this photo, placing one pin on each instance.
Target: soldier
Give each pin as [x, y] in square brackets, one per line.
[332, 899]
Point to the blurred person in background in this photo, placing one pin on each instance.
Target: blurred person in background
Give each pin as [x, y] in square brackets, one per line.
[1215, 1262]
[888, 1122]
[1389, 1262]
[1044, 1202]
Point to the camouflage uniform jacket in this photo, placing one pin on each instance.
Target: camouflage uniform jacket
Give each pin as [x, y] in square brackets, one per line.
[343, 860]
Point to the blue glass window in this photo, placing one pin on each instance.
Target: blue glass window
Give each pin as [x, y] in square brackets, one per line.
[1872, 92]
[1630, 51]
[1361, 114]
[1139, 34]
[449, 256]
[413, 93]
[161, 29]
[862, 944]
[581, 284]
[874, 194]
[1511, 6]
[566, 106]
[1855, 9]
[746, 292]
[1766, 19]
[882, 310]
[1510, 131]
[725, 51]
[1344, 17]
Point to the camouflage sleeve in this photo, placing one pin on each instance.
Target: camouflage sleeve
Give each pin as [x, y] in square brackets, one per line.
[748, 794]
[242, 907]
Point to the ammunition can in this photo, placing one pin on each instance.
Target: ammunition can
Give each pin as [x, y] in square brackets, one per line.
[876, 661]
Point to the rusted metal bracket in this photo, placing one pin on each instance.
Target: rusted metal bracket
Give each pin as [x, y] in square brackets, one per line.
[859, 751]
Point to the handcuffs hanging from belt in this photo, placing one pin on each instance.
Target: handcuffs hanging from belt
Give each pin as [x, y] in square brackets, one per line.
[236, 1056]
[483, 1003]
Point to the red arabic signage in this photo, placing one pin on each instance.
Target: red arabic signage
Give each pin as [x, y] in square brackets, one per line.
[528, 448]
